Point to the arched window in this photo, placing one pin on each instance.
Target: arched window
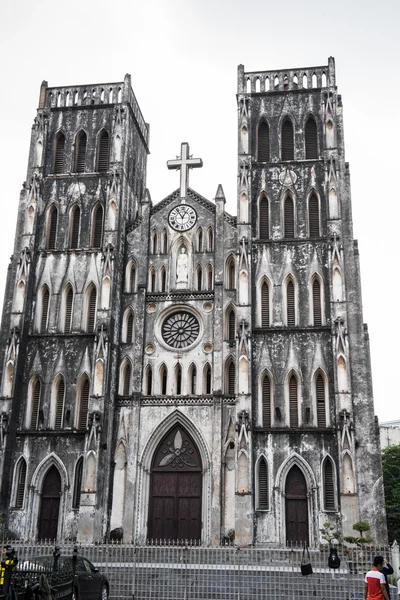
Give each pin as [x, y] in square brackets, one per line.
[320, 395]
[263, 142]
[83, 403]
[132, 279]
[152, 279]
[69, 299]
[97, 226]
[35, 404]
[149, 380]
[266, 401]
[264, 218]
[287, 140]
[230, 381]
[52, 228]
[20, 480]
[154, 243]
[59, 152]
[231, 325]
[91, 309]
[210, 240]
[178, 379]
[80, 152]
[45, 309]
[76, 498]
[311, 138]
[209, 276]
[164, 242]
[265, 322]
[74, 226]
[164, 380]
[199, 278]
[316, 296]
[263, 500]
[230, 273]
[126, 378]
[200, 240]
[103, 151]
[193, 379]
[59, 397]
[290, 304]
[313, 216]
[293, 402]
[329, 485]
[207, 379]
[129, 327]
[289, 217]
[163, 282]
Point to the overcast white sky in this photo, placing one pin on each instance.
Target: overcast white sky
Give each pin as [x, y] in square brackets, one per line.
[183, 57]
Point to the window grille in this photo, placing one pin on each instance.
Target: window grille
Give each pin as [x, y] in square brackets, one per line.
[127, 379]
[103, 152]
[289, 217]
[69, 298]
[317, 313]
[91, 318]
[311, 138]
[76, 500]
[293, 402]
[313, 216]
[263, 142]
[45, 309]
[231, 378]
[75, 224]
[80, 152]
[264, 218]
[60, 392]
[265, 305]
[320, 393]
[329, 488]
[263, 503]
[129, 328]
[59, 151]
[84, 404]
[287, 140]
[35, 405]
[290, 306]
[97, 234]
[53, 218]
[231, 326]
[21, 478]
[266, 401]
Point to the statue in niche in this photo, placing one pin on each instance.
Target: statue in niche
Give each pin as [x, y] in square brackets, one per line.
[182, 268]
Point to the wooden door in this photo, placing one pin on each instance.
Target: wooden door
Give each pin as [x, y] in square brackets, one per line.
[50, 505]
[176, 489]
[296, 507]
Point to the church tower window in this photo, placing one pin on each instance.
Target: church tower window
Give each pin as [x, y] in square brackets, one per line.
[210, 239]
[35, 392]
[83, 403]
[264, 218]
[103, 151]
[288, 217]
[152, 279]
[290, 304]
[91, 302]
[164, 379]
[126, 376]
[311, 138]
[287, 140]
[329, 485]
[209, 277]
[149, 380]
[266, 401]
[316, 298]
[131, 287]
[263, 142]
[52, 228]
[230, 274]
[321, 405]
[68, 299]
[76, 498]
[97, 226]
[199, 278]
[230, 378]
[178, 379]
[163, 282]
[207, 379]
[265, 322]
[80, 152]
[164, 242]
[74, 226]
[200, 240]
[313, 216]
[59, 397]
[193, 379]
[154, 243]
[20, 480]
[59, 152]
[293, 402]
[230, 325]
[127, 329]
[45, 298]
[263, 500]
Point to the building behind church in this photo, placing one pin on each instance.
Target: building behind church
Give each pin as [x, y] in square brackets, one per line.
[171, 371]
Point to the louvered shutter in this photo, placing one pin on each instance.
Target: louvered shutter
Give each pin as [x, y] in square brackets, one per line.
[84, 405]
[287, 140]
[266, 402]
[317, 302]
[320, 393]
[290, 307]
[103, 152]
[178, 380]
[92, 310]
[264, 219]
[329, 488]
[127, 380]
[97, 227]
[45, 309]
[263, 485]
[68, 310]
[231, 326]
[208, 379]
[263, 142]
[77, 484]
[311, 138]
[19, 500]
[51, 240]
[289, 217]
[313, 216]
[80, 152]
[59, 404]
[129, 328]
[231, 378]
[76, 220]
[59, 154]
[265, 305]
[35, 405]
[293, 402]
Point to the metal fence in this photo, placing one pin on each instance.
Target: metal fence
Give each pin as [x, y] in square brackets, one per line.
[185, 572]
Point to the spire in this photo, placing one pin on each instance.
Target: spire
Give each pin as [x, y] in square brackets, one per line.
[220, 193]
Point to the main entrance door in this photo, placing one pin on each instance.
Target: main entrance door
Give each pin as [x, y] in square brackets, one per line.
[296, 507]
[175, 489]
[50, 505]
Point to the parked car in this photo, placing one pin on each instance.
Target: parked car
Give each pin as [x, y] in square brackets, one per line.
[88, 582]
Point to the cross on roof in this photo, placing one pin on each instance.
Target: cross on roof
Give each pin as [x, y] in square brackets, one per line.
[184, 162]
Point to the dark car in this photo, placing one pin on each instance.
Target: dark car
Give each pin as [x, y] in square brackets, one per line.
[89, 583]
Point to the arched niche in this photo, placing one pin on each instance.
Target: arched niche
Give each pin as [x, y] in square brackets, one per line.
[112, 214]
[8, 380]
[19, 297]
[333, 204]
[342, 375]
[243, 209]
[337, 285]
[243, 376]
[90, 478]
[105, 293]
[98, 378]
[243, 288]
[348, 475]
[117, 148]
[244, 140]
[243, 474]
[119, 485]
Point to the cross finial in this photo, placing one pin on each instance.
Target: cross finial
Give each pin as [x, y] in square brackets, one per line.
[184, 163]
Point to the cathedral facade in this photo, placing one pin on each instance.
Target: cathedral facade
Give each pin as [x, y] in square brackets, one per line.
[171, 371]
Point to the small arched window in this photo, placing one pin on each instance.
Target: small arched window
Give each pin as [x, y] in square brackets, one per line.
[154, 243]
[209, 277]
[103, 151]
[69, 299]
[76, 498]
[163, 282]
[97, 226]
[164, 242]
[231, 325]
[287, 140]
[20, 480]
[265, 322]
[264, 218]
[193, 379]
[52, 228]
[164, 380]
[207, 379]
[59, 403]
[311, 138]
[199, 278]
[178, 379]
[293, 402]
[329, 485]
[263, 503]
[210, 240]
[149, 380]
[59, 153]
[152, 279]
[74, 226]
[126, 378]
[288, 217]
[83, 403]
[313, 216]
[91, 309]
[132, 279]
[230, 384]
[80, 152]
[316, 297]
[266, 401]
[200, 240]
[290, 304]
[45, 309]
[231, 273]
[320, 395]
[35, 404]
[263, 142]
[129, 327]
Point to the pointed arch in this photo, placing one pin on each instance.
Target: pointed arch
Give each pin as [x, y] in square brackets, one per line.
[128, 331]
[154, 242]
[90, 308]
[52, 221]
[290, 300]
[337, 285]
[320, 383]
[263, 217]
[74, 226]
[316, 301]
[119, 486]
[266, 400]
[311, 138]
[330, 134]
[288, 217]
[343, 385]
[152, 279]
[78, 472]
[230, 273]
[210, 240]
[263, 151]
[82, 402]
[293, 395]
[57, 404]
[199, 239]
[33, 407]
[262, 493]
[230, 377]
[8, 380]
[287, 139]
[230, 324]
[328, 484]
[163, 379]
[19, 486]
[207, 379]
[348, 474]
[103, 151]
[67, 308]
[20, 296]
[164, 242]
[199, 278]
[148, 380]
[59, 153]
[193, 379]
[265, 303]
[125, 377]
[130, 277]
[43, 308]
[178, 379]
[313, 216]
[97, 226]
[209, 277]
[80, 151]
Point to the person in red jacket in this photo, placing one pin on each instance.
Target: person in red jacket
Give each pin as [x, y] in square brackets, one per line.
[375, 583]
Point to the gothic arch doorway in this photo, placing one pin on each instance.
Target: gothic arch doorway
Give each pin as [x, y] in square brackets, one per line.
[50, 505]
[176, 488]
[296, 507]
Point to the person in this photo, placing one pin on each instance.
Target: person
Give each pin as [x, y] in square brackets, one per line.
[398, 588]
[387, 570]
[375, 583]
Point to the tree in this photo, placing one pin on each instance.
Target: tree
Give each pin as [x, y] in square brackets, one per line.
[391, 483]
[361, 527]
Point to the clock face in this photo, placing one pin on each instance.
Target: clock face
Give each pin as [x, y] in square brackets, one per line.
[182, 217]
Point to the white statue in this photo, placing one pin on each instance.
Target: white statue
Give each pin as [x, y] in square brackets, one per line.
[182, 269]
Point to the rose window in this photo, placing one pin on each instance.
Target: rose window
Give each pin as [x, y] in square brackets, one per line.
[180, 330]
